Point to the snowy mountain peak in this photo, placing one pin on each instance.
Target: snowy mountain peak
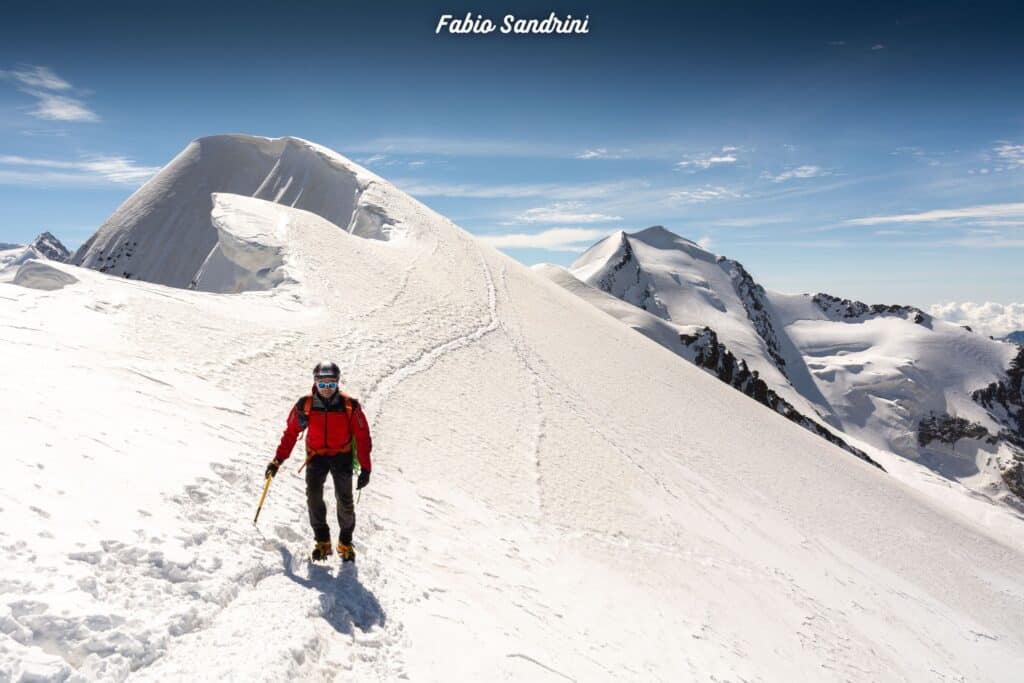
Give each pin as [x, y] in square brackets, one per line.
[51, 247]
[164, 232]
[660, 237]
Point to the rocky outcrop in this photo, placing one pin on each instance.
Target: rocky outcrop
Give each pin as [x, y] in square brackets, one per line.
[946, 428]
[1004, 401]
[714, 357]
[51, 247]
[756, 304]
[845, 309]
[625, 260]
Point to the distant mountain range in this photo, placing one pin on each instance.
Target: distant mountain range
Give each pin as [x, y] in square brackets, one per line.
[1015, 337]
[874, 379]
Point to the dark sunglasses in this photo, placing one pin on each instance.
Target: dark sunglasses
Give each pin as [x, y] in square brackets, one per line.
[327, 385]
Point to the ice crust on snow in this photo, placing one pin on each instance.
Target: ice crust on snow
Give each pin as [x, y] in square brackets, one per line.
[553, 494]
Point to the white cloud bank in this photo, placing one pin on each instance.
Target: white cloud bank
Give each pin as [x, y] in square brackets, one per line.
[988, 318]
[555, 239]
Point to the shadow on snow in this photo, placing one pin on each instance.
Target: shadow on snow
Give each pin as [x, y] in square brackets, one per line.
[344, 601]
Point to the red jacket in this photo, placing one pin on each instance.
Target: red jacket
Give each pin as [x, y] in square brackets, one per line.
[329, 428]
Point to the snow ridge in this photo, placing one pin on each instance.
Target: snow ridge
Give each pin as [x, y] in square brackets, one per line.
[757, 307]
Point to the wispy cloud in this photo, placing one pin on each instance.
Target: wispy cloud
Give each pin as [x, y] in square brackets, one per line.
[555, 191]
[458, 147]
[563, 212]
[555, 239]
[46, 132]
[703, 194]
[598, 153]
[800, 172]
[53, 99]
[750, 221]
[91, 170]
[1010, 153]
[988, 318]
[383, 160]
[439, 146]
[982, 211]
[878, 46]
[37, 77]
[727, 155]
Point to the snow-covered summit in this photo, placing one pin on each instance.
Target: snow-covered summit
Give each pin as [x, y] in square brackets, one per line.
[164, 232]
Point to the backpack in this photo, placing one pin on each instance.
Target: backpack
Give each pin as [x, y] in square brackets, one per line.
[307, 405]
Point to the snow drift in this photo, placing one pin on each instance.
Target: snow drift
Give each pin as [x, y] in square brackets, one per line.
[40, 275]
[553, 494]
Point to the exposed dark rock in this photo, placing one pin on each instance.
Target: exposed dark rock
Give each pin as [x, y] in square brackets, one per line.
[756, 304]
[51, 247]
[949, 429]
[720, 361]
[834, 307]
[1005, 401]
[608, 281]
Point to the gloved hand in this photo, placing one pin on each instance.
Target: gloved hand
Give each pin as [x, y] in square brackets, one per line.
[364, 479]
[272, 468]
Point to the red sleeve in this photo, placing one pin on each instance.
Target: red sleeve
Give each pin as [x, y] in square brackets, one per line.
[363, 442]
[291, 433]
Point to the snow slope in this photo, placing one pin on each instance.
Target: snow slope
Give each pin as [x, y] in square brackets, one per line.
[870, 374]
[540, 507]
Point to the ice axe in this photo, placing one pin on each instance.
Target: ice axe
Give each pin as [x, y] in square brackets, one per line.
[266, 488]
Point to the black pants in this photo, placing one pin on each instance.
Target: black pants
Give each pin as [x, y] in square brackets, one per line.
[340, 467]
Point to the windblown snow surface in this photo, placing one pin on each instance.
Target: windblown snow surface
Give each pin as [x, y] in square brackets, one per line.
[554, 497]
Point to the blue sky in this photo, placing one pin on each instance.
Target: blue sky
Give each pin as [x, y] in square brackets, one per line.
[870, 150]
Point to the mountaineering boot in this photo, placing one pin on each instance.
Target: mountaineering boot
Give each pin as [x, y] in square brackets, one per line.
[346, 552]
[321, 551]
